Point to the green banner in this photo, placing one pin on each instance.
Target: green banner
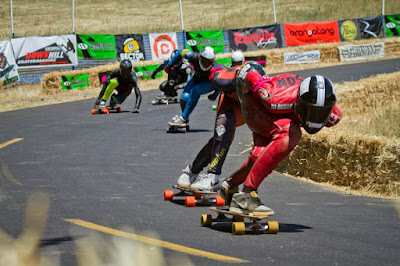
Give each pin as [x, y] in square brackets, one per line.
[197, 40]
[96, 46]
[75, 82]
[392, 23]
[144, 72]
[224, 61]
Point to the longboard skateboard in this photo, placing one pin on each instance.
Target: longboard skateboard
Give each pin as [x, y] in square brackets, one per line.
[239, 227]
[177, 129]
[164, 100]
[194, 196]
[106, 110]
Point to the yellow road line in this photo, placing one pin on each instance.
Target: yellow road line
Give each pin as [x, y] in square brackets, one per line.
[10, 142]
[9, 176]
[156, 242]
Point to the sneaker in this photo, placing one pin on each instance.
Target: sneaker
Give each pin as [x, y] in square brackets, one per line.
[227, 192]
[102, 104]
[248, 202]
[207, 182]
[96, 104]
[176, 117]
[180, 122]
[187, 178]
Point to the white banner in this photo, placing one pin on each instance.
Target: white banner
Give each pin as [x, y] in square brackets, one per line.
[162, 44]
[302, 57]
[8, 67]
[362, 51]
[48, 51]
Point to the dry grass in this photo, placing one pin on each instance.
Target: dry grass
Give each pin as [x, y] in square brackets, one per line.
[40, 17]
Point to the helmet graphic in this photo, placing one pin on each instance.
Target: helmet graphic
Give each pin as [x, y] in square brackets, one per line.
[241, 73]
[237, 58]
[125, 68]
[207, 57]
[317, 98]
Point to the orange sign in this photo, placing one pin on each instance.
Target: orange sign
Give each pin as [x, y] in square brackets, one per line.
[311, 32]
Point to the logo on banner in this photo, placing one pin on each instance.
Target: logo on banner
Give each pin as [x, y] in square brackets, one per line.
[131, 51]
[192, 42]
[263, 39]
[314, 32]
[130, 45]
[348, 30]
[3, 61]
[164, 45]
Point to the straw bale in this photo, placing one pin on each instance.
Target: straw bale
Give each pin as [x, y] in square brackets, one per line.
[1, 84]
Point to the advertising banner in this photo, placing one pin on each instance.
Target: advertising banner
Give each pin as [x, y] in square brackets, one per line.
[130, 46]
[33, 52]
[349, 30]
[75, 82]
[252, 39]
[371, 27]
[392, 23]
[302, 57]
[145, 72]
[96, 46]
[162, 45]
[8, 67]
[361, 52]
[311, 32]
[197, 40]
[224, 61]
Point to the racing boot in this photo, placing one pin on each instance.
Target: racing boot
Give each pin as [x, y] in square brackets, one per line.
[187, 178]
[227, 191]
[248, 202]
[207, 182]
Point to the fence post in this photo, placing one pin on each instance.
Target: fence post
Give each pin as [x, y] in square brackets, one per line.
[12, 21]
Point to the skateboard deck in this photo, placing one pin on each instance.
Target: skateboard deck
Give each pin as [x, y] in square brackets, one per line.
[239, 227]
[164, 100]
[177, 129]
[106, 110]
[194, 196]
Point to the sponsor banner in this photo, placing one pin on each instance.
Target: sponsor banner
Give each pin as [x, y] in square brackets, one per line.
[371, 27]
[224, 61]
[311, 32]
[197, 40]
[361, 52]
[261, 59]
[45, 51]
[392, 23]
[96, 46]
[349, 30]
[130, 46]
[162, 45]
[144, 72]
[302, 57]
[75, 82]
[252, 39]
[8, 67]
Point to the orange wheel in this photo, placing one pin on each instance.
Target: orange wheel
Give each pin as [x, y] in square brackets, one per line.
[106, 111]
[94, 111]
[118, 109]
[219, 201]
[190, 201]
[168, 194]
[197, 196]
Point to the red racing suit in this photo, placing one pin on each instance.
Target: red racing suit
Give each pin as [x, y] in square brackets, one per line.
[268, 106]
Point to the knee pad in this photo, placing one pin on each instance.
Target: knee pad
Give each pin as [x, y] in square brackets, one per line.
[113, 82]
[185, 97]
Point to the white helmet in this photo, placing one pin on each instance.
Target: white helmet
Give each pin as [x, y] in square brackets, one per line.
[237, 58]
[207, 57]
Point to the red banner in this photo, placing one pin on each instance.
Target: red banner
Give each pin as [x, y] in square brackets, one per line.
[311, 32]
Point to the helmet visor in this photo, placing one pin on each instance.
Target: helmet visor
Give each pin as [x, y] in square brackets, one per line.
[313, 117]
[206, 63]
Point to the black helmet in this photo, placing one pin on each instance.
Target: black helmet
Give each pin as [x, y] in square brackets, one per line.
[125, 67]
[241, 73]
[316, 100]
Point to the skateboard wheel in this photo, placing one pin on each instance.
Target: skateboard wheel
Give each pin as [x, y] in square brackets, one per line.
[168, 194]
[273, 227]
[197, 196]
[206, 220]
[219, 201]
[106, 111]
[118, 109]
[190, 201]
[94, 111]
[238, 228]
[236, 218]
[183, 129]
[153, 102]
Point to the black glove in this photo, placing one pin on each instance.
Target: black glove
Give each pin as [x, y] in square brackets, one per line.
[167, 69]
[213, 96]
[153, 76]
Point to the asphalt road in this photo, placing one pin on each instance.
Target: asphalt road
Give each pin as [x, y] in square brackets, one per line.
[107, 172]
